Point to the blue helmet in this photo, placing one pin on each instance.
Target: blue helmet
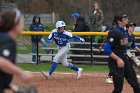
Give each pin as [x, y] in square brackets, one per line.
[76, 15]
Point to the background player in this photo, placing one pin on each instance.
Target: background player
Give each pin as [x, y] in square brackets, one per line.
[119, 64]
[11, 26]
[61, 38]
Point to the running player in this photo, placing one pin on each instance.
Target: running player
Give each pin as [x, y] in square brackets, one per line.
[61, 38]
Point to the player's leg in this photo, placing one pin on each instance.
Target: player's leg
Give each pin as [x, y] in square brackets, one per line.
[53, 66]
[33, 51]
[61, 52]
[130, 76]
[55, 62]
[109, 78]
[118, 83]
[118, 76]
[71, 66]
[67, 64]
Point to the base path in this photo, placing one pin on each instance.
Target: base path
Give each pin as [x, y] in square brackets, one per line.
[67, 83]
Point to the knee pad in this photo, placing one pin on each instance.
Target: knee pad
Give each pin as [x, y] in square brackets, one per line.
[66, 64]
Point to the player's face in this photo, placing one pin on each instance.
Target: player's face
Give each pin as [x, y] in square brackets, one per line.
[19, 27]
[125, 21]
[62, 29]
[131, 29]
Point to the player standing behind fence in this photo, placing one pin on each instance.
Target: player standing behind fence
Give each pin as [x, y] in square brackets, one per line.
[61, 38]
[11, 26]
[120, 66]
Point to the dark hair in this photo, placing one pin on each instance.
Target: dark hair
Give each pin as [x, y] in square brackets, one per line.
[34, 18]
[118, 18]
[8, 19]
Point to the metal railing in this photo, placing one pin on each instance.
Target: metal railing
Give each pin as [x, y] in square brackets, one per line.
[91, 34]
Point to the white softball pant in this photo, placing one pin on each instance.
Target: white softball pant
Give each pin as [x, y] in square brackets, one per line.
[62, 55]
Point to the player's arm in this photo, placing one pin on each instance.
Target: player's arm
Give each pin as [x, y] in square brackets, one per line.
[108, 51]
[111, 39]
[137, 49]
[74, 36]
[8, 67]
[133, 45]
[50, 38]
[78, 38]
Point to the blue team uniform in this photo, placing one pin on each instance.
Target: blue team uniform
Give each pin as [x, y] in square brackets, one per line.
[131, 41]
[61, 38]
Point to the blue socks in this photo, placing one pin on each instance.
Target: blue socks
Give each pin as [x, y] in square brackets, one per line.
[73, 67]
[53, 67]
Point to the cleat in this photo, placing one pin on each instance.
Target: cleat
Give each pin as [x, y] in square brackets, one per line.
[46, 75]
[79, 72]
[109, 80]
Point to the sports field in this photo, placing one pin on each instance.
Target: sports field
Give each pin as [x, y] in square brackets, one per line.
[64, 80]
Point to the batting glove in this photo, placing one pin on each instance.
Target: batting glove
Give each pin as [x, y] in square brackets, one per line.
[82, 40]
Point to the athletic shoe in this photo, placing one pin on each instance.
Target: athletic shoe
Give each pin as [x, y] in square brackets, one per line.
[79, 72]
[33, 62]
[109, 80]
[46, 74]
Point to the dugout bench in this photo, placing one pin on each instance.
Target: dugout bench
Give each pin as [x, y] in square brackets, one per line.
[93, 55]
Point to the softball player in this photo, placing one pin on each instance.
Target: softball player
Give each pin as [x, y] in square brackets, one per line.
[119, 64]
[61, 38]
[11, 26]
[130, 27]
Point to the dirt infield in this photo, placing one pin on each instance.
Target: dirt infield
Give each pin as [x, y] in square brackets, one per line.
[67, 83]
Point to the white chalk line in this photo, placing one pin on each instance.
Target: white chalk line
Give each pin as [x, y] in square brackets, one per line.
[84, 74]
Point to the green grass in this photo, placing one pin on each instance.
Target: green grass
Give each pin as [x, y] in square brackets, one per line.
[60, 68]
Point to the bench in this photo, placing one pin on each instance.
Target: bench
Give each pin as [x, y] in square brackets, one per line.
[92, 55]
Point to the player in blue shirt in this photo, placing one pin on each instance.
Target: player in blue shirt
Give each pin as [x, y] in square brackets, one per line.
[131, 39]
[61, 38]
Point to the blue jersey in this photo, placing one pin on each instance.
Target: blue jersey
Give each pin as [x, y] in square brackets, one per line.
[61, 38]
[131, 41]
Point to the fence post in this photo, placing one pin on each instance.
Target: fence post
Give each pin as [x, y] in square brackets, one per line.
[91, 50]
[37, 51]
